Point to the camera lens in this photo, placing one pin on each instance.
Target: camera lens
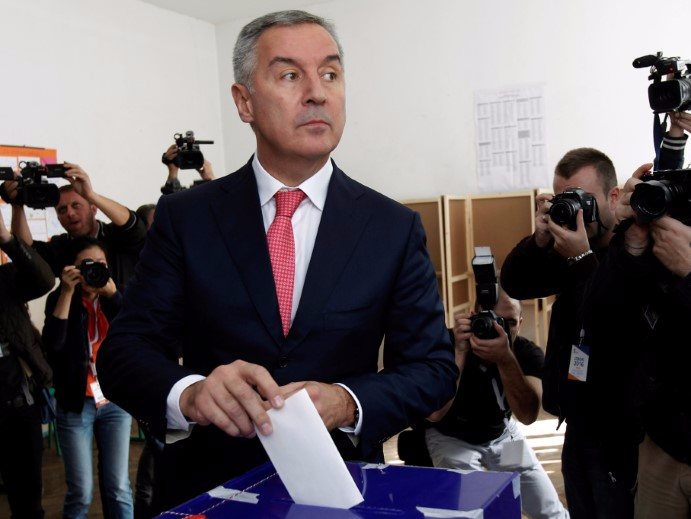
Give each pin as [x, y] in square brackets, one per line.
[670, 96]
[95, 274]
[564, 211]
[652, 199]
[482, 326]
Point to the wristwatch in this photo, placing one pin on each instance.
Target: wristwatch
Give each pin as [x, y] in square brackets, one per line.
[575, 259]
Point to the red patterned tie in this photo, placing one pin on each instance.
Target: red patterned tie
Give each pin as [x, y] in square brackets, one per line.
[282, 251]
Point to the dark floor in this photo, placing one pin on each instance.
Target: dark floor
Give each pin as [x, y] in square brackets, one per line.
[541, 435]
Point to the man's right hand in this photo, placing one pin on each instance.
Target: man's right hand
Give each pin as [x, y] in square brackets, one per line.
[169, 159]
[543, 236]
[637, 236]
[231, 399]
[10, 188]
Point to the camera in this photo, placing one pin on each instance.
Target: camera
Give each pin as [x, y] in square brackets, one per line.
[663, 192]
[189, 155]
[95, 274]
[671, 95]
[565, 207]
[33, 190]
[487, 295]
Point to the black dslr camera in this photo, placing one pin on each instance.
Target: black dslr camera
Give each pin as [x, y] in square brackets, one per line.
[189, 155]
[672, 95]
[487, 294]
[95, 274]
[33, 190]
[565, 207]
[663, 192]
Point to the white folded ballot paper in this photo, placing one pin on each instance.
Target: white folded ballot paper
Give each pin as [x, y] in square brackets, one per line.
[306, 458]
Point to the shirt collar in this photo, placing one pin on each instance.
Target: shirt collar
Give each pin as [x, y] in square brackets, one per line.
[314, 187]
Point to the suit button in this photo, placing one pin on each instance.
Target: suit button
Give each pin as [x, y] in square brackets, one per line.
[283, 362]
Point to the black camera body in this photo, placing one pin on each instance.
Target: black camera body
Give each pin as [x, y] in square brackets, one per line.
[487, 295]
[33, 190]
[665, 192]
[94, 273]
[189, 155]
[565, 207]
[671, 95]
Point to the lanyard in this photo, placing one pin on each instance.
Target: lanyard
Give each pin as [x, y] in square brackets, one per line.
[93, 338]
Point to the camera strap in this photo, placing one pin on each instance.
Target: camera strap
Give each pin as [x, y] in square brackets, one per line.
[658, 134]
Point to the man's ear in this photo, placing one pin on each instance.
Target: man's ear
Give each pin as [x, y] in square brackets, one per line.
[243, 102]
[613, 197]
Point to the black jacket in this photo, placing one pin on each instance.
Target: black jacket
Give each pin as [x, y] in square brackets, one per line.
[67, 343]
[27, 277]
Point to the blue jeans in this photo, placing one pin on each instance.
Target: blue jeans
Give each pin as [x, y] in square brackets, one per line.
[111, 426]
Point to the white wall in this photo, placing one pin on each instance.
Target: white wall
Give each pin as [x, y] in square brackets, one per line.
[412, 68]
[108, 84]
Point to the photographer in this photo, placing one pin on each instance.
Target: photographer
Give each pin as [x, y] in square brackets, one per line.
[78, 314]
[21, 440]
[645, 279]
[600, 444]
[500, 377]
[172, 184]
[76, 211]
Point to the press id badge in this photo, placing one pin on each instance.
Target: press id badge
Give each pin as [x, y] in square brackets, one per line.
[99, 399]
[578, 365]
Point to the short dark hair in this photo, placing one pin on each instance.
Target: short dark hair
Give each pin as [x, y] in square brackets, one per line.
[579, 158]
[77, 245]
[144, 210]
[245, 52]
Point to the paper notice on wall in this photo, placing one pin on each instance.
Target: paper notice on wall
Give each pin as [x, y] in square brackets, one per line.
[510, 139]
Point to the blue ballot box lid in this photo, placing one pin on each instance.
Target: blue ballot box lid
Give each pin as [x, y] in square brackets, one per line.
[388, 491]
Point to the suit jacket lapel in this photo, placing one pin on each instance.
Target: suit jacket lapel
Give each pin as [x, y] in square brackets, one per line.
[342, 222]
[239, 219]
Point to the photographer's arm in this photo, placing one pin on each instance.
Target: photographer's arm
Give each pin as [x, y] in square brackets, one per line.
[674, 141]
[206, 171]
[118, 213]
[172, 184]
[461, 335]
[523, 393]
[20, 225]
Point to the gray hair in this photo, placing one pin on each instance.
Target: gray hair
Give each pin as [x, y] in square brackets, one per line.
[245, 53]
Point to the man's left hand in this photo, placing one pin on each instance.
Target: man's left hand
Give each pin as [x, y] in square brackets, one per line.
[496, 350]
[672, 244]
[334, 404]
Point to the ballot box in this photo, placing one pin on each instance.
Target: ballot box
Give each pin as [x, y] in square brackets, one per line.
[389, 491]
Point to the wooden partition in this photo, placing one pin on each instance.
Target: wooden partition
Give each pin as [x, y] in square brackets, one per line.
[456, 242]
[455, 225]
[500, 221]
[430, 211]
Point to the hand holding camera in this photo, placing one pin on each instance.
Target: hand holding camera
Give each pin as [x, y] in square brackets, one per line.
[91, 274]
[543, 236]
[187, 154]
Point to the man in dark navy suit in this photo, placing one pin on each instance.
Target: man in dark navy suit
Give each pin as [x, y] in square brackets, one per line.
[205, 287]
